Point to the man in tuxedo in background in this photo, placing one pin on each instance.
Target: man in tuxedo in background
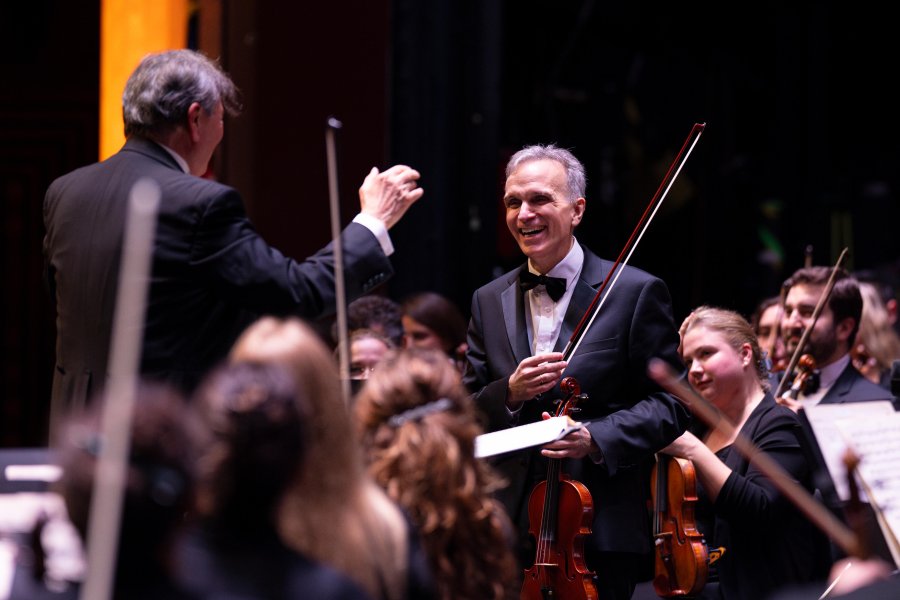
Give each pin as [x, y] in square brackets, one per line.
[212, 273]
[836, 380]
[831, 339]
[520, 323]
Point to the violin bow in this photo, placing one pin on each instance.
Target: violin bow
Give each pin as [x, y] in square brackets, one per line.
[340, 294]
[665, 376]
[633, 240]
[820, 305]
[118, 399]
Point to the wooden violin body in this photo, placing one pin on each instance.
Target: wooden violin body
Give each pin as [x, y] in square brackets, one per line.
[560, 570]
[560, 512]
[681, 555]
[805, 368]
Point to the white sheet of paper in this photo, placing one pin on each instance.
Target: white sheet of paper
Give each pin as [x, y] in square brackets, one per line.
[877, 444]
[824, 419]
[47, 473]
[524, 436]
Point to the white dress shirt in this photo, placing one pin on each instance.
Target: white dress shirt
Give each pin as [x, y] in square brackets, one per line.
[543, 316]
[827, 376]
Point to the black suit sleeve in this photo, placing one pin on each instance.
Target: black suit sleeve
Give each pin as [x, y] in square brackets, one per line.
[226, 250]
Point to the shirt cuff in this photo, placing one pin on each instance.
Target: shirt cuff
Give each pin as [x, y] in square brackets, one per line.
[376, 226]
[513, 415]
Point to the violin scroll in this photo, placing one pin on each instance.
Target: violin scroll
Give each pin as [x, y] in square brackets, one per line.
[572, 389]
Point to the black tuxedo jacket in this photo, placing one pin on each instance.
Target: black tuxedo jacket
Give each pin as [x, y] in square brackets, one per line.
[212, 274]
[852, 386]
[627, 414]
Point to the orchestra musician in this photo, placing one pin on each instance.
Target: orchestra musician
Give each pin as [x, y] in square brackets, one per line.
[831, 339]
[515, 367]
[768, 543]
[877, 343]
[766, 322]
[829, 343]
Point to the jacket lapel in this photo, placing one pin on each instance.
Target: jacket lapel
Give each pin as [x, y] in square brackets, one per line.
[842, 386]
[513, 304]
[592, 273]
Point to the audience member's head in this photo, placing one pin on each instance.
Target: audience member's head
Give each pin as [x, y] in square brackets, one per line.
[367, 348]
[332, 512]
[158, 487]
[259, 435]
[419, 426]
[431, 320]
[375, 312]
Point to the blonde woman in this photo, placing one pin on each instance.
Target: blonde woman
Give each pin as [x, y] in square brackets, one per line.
[768, 543]
[332, 511]
[877, 343]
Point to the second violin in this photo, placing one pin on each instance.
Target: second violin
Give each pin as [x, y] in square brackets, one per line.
[681, 556]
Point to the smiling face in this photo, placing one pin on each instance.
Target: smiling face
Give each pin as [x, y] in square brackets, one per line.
[715, 369]
[539, 212]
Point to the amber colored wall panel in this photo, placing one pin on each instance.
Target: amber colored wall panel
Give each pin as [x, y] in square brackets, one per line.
[129, 30]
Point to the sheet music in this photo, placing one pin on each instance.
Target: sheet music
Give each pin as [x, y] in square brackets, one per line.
[877, 443]
[524, 436]
[824, 420]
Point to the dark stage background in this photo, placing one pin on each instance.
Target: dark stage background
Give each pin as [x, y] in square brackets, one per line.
[800, 147]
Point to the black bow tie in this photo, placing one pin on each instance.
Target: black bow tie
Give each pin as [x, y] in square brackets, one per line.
[556, 286]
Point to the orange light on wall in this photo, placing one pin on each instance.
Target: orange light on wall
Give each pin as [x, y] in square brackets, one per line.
[129, 30]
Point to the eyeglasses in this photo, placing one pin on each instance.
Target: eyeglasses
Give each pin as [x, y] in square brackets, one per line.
[361, 371]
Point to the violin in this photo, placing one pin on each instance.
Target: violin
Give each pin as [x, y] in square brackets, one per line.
[681, 555]
[806, 366]
[560, 512]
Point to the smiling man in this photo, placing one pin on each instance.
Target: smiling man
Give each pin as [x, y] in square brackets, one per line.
[520, 324]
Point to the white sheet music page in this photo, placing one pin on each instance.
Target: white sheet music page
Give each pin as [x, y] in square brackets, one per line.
[876, 442]
[824, 420]
[524, 436]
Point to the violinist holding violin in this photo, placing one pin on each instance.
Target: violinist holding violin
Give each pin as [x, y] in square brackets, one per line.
[831, 339]
[768, 543]
[517, 332]
[829, 342]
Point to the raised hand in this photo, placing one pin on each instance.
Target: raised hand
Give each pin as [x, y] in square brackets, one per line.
[387, 195]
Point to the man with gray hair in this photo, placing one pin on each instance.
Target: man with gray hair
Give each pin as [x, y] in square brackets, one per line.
[212, 273]
[520, 324]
